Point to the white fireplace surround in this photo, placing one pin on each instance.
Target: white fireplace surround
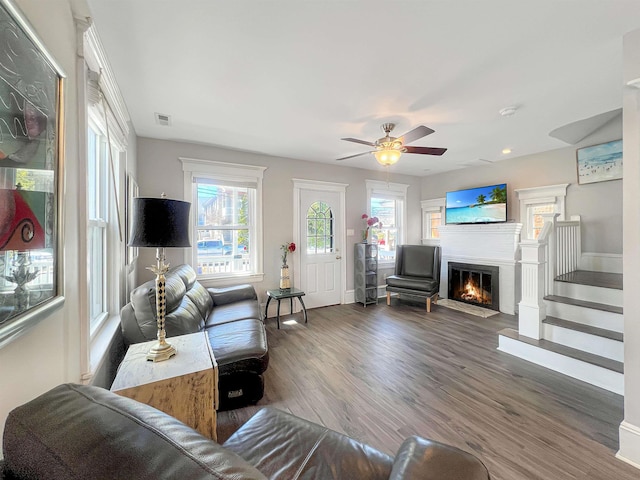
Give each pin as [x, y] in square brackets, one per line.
[487, 244]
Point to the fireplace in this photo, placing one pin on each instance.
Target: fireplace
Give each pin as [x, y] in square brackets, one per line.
[474, 284]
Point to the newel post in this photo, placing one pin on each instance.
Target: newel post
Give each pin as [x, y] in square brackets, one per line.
[532, 309]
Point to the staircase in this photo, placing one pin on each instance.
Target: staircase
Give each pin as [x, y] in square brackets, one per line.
[582, 332]
[573, 324]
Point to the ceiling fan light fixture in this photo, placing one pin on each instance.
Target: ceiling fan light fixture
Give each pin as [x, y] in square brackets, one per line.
[387, 154]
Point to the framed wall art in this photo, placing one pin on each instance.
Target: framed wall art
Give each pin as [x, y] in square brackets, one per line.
[31, 148]
[600, 163]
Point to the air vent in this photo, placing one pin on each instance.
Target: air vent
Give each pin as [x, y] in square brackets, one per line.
[163, 119]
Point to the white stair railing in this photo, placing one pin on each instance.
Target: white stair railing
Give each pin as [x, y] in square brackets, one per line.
[555, 252]
[568, 246]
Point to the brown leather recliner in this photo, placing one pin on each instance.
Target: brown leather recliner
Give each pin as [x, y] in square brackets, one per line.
[417, 273]
[85, 432]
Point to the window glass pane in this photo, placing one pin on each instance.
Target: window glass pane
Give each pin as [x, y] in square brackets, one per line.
[96, 274]
[223, 233]
[436, 220]
[388, 211]
[92, 167]
[319, 229]
[537, 220]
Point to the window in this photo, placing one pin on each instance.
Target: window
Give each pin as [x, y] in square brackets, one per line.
[387, 201]
[226, 215]
[535, 220]
[97, 222]
[320, 233]
[101, 245]
[431, 220]
[103, 234]
[534, 202]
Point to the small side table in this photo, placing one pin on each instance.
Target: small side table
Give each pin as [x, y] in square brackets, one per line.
[185, 386]
[279, 295]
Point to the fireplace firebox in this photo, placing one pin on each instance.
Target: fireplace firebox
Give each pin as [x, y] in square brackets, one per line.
[474, 284]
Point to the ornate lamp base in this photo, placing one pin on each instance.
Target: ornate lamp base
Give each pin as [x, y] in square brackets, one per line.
[161, 352]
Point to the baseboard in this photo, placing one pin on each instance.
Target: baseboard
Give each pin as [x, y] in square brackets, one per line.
[601, 262]
[350, 295]
[629, 451]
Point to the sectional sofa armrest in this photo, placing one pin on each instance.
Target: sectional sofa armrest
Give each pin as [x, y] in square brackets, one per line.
[237, 293]
[428, 460]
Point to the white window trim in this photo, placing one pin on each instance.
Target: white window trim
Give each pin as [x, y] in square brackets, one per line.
[527, 197]
[397, 189]
[235, 173]
[428, 207]
[92, 58]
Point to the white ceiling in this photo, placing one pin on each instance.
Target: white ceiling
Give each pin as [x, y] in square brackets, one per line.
[290, 78]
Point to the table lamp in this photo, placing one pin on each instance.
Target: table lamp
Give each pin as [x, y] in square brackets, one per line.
[160, 223]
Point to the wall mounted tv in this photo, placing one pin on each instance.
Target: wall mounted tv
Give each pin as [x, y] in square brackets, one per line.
[477, 205]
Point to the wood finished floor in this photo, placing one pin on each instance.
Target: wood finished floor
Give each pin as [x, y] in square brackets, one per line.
[383, 373]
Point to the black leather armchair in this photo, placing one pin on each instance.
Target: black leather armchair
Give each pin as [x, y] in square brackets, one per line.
[417, 273]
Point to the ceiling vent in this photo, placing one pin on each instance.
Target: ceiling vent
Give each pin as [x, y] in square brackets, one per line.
[163, 119]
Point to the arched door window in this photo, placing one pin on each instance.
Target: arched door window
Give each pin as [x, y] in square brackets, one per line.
[320, 229]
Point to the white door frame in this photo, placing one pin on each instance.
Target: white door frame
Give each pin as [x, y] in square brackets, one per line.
[341, 188]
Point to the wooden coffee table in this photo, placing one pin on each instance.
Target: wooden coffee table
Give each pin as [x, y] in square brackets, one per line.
[185, 386]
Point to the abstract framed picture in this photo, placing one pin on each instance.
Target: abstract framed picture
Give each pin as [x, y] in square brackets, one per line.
[600, 163]
[31, 148]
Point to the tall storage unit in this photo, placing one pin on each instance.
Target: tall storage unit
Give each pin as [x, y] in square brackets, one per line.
[366, 273]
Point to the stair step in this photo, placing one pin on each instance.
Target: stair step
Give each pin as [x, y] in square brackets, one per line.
[580, 327]
[590, 358]
[589, 293]
[594, 279]
[583, 303]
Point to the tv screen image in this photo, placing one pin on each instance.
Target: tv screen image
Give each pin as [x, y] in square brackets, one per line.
[477, 205]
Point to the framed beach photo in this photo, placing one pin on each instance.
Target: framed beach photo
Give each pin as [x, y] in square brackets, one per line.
[31, 148]
[600, 163]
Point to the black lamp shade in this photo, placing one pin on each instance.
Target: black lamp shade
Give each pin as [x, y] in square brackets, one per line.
[160, 222]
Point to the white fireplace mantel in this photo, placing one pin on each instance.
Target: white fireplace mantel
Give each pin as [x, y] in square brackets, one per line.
[487, 244]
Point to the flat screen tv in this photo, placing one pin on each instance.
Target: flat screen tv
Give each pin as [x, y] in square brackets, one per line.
[477, 205]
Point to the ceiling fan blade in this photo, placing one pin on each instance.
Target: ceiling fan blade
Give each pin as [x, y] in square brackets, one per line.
[363, 142]
[352, 156]
[415, 134]
[426, 150]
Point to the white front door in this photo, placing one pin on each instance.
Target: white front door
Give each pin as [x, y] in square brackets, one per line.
[321, 240]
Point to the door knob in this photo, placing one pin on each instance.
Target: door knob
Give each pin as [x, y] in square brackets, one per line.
[338, 257]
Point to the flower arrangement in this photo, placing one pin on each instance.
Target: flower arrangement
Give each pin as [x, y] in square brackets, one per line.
[369, 222]
[286, 248]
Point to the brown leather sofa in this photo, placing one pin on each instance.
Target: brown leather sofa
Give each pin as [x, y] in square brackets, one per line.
[84, 432]
[230, 316]
[417, 273]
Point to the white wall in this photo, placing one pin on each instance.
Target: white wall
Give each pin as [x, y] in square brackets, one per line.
[598, 204]
[630, 427]
[160, 170]
[49, 353]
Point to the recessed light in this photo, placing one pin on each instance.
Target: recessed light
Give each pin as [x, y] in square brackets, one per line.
[508, 111]
[506, 151]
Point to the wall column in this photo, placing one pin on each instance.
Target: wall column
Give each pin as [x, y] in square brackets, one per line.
[630, 427]
[531, 309]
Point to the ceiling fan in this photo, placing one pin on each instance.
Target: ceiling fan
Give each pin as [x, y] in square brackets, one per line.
[388, 149]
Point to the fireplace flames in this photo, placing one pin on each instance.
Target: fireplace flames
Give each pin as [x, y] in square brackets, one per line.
[472, 293]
